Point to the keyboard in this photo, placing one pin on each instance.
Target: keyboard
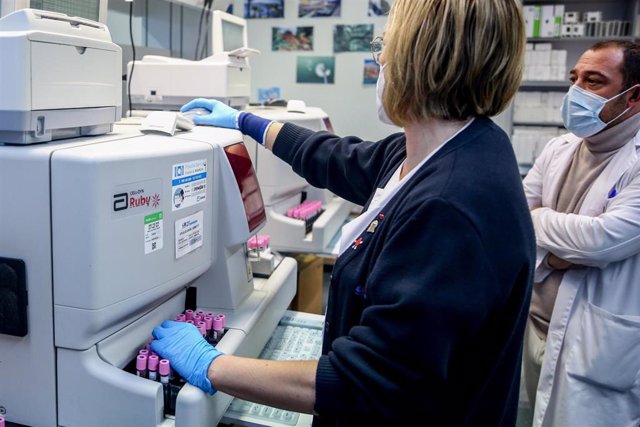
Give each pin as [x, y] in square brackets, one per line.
[298, 336]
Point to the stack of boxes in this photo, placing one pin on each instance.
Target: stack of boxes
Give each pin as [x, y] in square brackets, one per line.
[550, 21]
[532, 108]
[592, 25]
[538, 107]
[528, 141]
[543, 21]
[542, 63]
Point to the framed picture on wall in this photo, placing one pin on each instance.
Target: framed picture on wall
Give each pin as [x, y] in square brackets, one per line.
[256, 9]
[352, 38]
[318, 8]
[291, 38]
[379, 7]
[371, 72]
[316, 69]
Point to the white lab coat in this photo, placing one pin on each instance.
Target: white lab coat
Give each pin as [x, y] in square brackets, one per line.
[590, 373]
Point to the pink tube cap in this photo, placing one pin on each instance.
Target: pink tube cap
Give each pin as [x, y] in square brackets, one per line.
[221, 317]
[153, 362]
[208, 321]
[141, 362]
[165, 367]
[218, 324]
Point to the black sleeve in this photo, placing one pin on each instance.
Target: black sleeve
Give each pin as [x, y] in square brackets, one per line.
[430, 289]
[348, 167]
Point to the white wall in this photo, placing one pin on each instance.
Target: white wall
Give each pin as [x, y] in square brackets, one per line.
[350, 104]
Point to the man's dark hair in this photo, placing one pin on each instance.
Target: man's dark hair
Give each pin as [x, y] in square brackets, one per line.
[631, 62]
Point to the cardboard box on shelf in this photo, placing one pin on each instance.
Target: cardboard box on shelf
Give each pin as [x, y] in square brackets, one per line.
[308, 297]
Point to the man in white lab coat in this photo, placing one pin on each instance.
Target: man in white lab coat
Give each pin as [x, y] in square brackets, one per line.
[582, 344]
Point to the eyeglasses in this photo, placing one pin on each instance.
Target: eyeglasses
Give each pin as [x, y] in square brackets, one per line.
[376, 46]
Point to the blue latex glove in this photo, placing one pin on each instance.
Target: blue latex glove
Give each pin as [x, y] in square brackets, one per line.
[220, 114]
[188, 352]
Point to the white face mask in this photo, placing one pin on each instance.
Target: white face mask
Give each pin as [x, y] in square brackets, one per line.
[382, 114]
[581, 111]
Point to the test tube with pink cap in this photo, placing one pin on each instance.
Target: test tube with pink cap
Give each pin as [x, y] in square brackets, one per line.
[222, 318]
[218, 327]
[152, 367]
[208, 321]
[141, 365]
[164, 369]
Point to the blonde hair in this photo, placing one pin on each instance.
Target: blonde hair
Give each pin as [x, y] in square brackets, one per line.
[452, 59]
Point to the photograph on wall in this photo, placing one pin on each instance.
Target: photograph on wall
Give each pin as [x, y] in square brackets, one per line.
[318, 8]
[316, 69]
[267, 94]
[379, 7]
[371, 72]
[352, 38]
[285, 39]
[257, 9]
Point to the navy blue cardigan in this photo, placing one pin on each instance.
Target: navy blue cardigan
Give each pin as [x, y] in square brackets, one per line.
[426, 314]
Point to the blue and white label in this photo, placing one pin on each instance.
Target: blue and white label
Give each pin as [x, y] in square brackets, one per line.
[188, 184]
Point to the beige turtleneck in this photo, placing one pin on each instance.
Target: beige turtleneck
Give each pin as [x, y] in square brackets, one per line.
[589, 160]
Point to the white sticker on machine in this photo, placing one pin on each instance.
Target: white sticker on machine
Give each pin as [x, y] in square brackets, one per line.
[188, 184]
[189, 233]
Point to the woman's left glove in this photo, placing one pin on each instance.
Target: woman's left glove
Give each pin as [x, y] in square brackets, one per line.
[188, 352]
[221, 115]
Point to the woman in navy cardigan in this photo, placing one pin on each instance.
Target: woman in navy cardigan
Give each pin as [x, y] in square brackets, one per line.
[430, 293]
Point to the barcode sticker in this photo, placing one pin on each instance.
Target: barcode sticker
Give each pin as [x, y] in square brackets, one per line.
[189, 234]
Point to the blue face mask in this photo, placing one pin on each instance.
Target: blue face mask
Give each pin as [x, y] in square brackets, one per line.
[581, 111]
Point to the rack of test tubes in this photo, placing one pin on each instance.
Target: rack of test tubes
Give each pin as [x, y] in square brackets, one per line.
[149, 365]
[307, 211]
